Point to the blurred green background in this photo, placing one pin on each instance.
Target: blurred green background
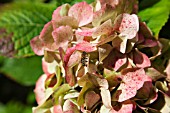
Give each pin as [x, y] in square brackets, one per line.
[21, 20]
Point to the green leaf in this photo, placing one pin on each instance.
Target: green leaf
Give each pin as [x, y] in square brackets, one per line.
[2, 108]
[72, 2]
[37, 1]
[156, 16]
[25, 21]
[23, 70]
[86, 87]
[60, 90]
[1, 60]
[76, 1]
[146, 3]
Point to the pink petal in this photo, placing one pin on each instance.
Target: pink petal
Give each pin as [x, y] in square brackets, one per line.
[155, 74]
[70, 77]
[106, 97]
[103, 83]
[56, 14]
[37, 46]
[91, 98]
[145, 30]
[126, 6]
[140, 38]
[105, 13]
[70, 107]
[69, 52]
[57, 109]
[83, 12]
[86, 46]
[167, 70]
[127, 25]
[123, 44]
[61, 53]
[163, 101]
[62, 36]
[46, 35]
[111, 2]
[74, 59]
[105, 28]
[104, 51]
[85, 32]
[79, 38]
[48, 68]
[40, 89]
[149, 90]
[119, 63]
[105, 39]
[149, 43]
[115, 60]
[141, 60]
[65, 20]
[126, 107]
[133, 79]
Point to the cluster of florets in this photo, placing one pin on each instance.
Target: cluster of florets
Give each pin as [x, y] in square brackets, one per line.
[94, 60]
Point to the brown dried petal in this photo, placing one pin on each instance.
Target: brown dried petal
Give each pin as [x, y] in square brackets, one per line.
[104, 51]
[6, 44]
[91, 98]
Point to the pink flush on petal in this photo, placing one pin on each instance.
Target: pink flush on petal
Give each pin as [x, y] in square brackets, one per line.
[83, 46]
[69, 52]
[149, 43]
[56, 14]
[40, 89]
[113, 3]
[37, 46]
[45, 34]
[132, 80]
[62, 35]
[74, 59]
[141, 60]
[127, 25]
[85, 32]
[86, 46]
[48, 68]
[167, 70]
[69, 76]
[83, 12]
[115, 60]
[148, 91]
[57, 109]
[105, 28]
[126, 107]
